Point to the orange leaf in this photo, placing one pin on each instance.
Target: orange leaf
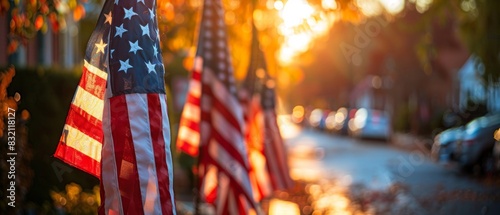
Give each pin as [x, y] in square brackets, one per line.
[78, 13]
[38, 22]
[12, 47]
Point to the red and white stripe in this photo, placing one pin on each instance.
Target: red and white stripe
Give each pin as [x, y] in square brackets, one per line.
[188, 139]
[223, 156]
[127, 186]
[136, 157]
[81, 142]
[275, 152]
[254, 136]
[267, 155]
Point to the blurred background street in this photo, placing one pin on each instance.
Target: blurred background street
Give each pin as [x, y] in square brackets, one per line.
[346, 175]
[339, 174]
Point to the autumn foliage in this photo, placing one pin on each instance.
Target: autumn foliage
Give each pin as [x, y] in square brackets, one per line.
[27, 18]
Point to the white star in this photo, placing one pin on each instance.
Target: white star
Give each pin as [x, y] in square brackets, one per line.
[100, 46]
[111, 53]
[220, 23]
[222, 76]
[134, 47]
[208, 34]
[151, 67]
[221, 55]
[221, 33]
[151, 14]
[141, 1]
[129, 13]
[222, 66]
[208, 45]
[145, 30]
[124, 66]
[155, 50]
[221, 44]
[208, 56]
[208, 13]
[207, 23]
[109, 18]
[120, 30]
[116, 2]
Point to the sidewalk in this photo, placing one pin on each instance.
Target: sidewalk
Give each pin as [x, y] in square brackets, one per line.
[298, 195]
[390, 200]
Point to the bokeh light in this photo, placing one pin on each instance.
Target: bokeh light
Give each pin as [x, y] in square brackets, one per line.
[369, 7]
[393, 6]
[422, 5]
[283, 207]
[329, 4]
[278, 5]
[315, 117]
[302, 23]
[298, 114]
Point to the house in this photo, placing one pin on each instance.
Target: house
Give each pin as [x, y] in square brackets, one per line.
[59, 49]
[472, 88]
[371, 93]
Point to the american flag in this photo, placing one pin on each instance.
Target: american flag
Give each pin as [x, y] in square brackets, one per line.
[117, 127]
[212, 120]
[268, 161]
[188, 138]
[274, 148]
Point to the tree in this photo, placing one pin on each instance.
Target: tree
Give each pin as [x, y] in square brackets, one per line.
[479, 23]
[27, 18]
[481, 30]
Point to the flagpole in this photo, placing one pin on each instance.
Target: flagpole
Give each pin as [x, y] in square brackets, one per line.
[197, 181]
[197, 191]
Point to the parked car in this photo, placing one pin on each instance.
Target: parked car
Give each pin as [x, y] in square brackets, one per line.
[317, 119]
[476, 147]
[341, 121]
[330, 121]
[443, 148]
[368, 123]
[298, 115]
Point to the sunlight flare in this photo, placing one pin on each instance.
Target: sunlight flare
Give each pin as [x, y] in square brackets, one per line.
[302, 23]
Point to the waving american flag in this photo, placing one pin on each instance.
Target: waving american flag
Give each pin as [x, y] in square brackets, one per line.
[117, 127]
[267, 154]
[212, 120]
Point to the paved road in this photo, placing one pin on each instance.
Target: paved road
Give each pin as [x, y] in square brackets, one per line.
[350, 176]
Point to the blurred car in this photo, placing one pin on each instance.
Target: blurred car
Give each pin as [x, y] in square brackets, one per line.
[369, 123]
[330, 121]
[298, 114]
[317, 119]
[476, 147]
[443, 148]
[341, 120]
